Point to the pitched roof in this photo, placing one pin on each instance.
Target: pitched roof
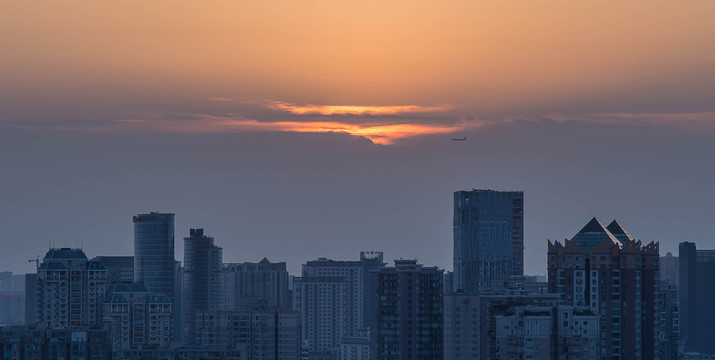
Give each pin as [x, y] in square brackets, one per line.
[264, 261]
[65, 254]
[619, 232]
[593, 234]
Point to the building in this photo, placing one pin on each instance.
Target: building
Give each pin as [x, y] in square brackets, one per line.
[488, 238]
[669, 269]
[154, 263]
[137, 318]
[30, 299]
[461, 326]
[697, 296]
[43, 343]
[6, 281]
[407, 318]
[667, 325]
[120, 269]
[257, 285]
[203, 279]
[608, 271]
[261, 334]
[327, 315]
[70, 289]
[323, 306]
[356, 347]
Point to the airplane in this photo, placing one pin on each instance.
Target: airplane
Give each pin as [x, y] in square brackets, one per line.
[462, 139]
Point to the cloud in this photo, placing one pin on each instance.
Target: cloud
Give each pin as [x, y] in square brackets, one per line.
[354, 109]
[698, 121]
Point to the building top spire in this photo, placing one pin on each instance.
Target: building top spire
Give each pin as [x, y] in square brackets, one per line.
[593, 234]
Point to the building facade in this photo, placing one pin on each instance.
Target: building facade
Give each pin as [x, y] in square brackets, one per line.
[407, 317]
[670, 269]
[137, 318]
[70, 289]
[154, 263]
[697, 296]
[608, 271]
[667, 324]
[488, 238]
[257, 285]
[203, 279]
[261, 334]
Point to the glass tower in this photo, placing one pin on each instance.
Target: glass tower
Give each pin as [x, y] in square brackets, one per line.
[154, 252]
[488, 238]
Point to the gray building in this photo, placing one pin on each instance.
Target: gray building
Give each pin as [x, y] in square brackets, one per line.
[488, 238]
[154, 263]
[30, 299]
[137, 318]
[43, 343]
[670, 269]
[697, 296]
[120, 269]
[609, 271]
[667, 323]
[407, 316]
[70, 289]
[260, 334]
[257, 285]
[6, 281]
[203, 279]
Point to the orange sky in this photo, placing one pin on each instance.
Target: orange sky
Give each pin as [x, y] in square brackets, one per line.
[478, 58]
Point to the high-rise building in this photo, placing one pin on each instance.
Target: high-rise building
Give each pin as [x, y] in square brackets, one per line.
[614, 275]
[6, 281]
[70, 289]
[351, 277]
[30, 299]
[137, 318]
[262, 334]
[257, 285]
[697, 296]
[322, 304]
[488, 238]
[667, 324]
[669, 269]
[203, 279]
[120, 269]
[154, 263]
[406, 320]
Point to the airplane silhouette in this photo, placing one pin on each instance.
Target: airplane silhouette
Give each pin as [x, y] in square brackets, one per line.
[462, 139]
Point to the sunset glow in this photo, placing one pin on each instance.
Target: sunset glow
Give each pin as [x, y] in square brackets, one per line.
[354, 109]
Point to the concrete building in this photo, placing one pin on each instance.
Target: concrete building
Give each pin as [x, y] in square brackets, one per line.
[407, 317]
[137, 318]
[670, 269]
[70, 289]
[461, 326]
[667, 325]
[697, 296]
[120, 269]
[261, 334]
[203, 279]
[327, 315]
[6, 281]
[257, 285]
[323, 306]
[154, 263]
[42, 343]
[30, 299]
[356, 347]
[488, 238]
[614, 275]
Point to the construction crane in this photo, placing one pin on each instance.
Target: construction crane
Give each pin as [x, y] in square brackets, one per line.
[37, 262]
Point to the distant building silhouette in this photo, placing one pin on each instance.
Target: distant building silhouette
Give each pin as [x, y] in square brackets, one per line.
[203, 279]
[70, 289]
[334, 299]
[154, 263]
[488, 238]
[613, 274]
[257, 285]
[407, 318]
[670, 269]
[30, 299]
[137, 318]
[697, 296]
[667, 322]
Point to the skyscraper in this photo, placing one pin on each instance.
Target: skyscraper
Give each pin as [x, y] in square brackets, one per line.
[154, 263]
[407, 316]
[488, 238]
[203, 279]
[261, 285]
[70, 289]
[613, 274]
[697, 295]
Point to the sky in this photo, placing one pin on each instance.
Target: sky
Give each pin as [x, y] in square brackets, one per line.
[297, 130]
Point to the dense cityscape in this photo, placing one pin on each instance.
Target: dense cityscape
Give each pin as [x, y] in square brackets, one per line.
[604, 295]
